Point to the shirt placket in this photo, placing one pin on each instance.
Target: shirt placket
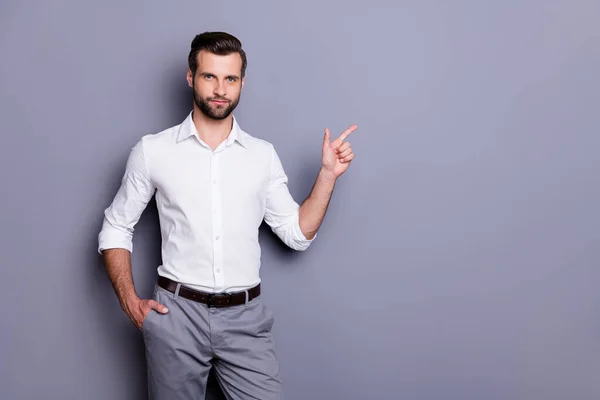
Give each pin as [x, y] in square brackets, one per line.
[217, 221]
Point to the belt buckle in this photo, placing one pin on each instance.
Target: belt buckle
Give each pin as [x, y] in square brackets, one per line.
[211, 296]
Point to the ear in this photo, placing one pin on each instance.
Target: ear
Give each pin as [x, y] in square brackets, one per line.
[190, 79]
[243, 81]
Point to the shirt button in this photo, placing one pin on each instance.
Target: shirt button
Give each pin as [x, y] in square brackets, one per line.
[214, 181]
[219, 270]
[217, 238]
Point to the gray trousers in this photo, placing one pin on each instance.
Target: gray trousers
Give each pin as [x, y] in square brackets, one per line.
[184, 344]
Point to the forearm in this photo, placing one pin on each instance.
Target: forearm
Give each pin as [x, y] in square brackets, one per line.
[118, 266]
[313, 209]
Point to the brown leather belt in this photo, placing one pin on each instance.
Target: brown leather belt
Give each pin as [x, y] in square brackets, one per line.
[210, 299]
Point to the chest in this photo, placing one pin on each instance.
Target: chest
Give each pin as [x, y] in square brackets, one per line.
[235, 176]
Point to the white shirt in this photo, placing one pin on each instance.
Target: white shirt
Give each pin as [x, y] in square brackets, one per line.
[210, 205]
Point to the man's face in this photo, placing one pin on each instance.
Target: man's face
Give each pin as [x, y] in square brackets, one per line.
[217, 84]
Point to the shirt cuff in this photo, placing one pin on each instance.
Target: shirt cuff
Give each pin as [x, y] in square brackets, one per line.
[110, 238]
[301, 243]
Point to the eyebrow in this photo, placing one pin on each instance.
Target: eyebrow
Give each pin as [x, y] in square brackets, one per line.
[228, 76]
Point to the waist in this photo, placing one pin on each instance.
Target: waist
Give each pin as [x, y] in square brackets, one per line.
[206, 279]
[209, 271]
[210, 299]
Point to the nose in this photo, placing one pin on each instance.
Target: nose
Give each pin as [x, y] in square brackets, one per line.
[220, 89]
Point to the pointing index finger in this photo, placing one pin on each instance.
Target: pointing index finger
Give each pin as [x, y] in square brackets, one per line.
[347, 133]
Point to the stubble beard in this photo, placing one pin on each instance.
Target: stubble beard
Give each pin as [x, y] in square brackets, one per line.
[213, 111]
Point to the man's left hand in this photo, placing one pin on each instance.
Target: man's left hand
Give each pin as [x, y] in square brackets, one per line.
[337, 155]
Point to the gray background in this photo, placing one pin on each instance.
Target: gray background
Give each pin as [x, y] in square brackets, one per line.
[459, 258]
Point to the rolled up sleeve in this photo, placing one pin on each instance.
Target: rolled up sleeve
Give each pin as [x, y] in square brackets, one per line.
[282, 211]
[131, 199]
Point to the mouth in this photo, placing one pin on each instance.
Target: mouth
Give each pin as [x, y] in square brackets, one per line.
[219, 102]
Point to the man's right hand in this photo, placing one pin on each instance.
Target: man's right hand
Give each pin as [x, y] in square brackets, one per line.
[138, 310]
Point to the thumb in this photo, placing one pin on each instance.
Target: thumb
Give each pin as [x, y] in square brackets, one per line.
[158, 307]
[327, 138]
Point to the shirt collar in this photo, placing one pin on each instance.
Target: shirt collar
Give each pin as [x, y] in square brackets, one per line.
[187, 129]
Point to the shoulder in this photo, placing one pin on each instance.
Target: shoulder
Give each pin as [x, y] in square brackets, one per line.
[150, 148]
[161, 138]
[256, 145]
[152, 145]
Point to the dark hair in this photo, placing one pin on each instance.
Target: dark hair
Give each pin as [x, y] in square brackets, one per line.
[220, 43]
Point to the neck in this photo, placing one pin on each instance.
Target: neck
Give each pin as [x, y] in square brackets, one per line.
[211, 131]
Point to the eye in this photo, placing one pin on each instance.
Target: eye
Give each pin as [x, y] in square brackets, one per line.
[231, 79]
[208, 76]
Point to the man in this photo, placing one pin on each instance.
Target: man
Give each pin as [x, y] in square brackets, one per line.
[214, 184]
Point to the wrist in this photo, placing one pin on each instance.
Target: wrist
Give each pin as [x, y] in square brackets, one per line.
[327, 175]
[129, 302]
